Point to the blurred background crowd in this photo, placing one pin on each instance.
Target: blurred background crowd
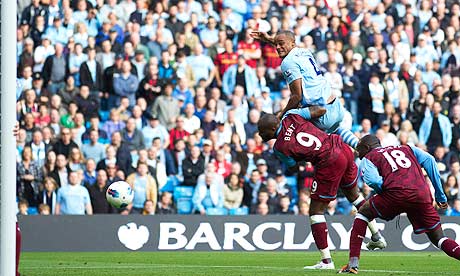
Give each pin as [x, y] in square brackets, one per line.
[166, 95]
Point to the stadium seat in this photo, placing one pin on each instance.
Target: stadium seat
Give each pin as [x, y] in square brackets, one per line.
[239, 211]
[32, 211]
[184, 206]
[183, 192]
[216, 211]
[291, 181]
[104, 115]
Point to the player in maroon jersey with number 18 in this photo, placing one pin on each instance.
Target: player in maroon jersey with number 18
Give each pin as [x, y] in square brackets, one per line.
[297, 140]
[395, 173]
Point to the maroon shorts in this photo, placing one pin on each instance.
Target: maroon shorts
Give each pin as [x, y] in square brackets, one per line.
[422, 216]
[340, 171]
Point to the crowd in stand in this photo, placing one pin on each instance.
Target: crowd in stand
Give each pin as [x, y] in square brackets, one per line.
[166, 95]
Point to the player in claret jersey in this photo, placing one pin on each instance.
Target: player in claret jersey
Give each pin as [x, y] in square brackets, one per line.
[297, 140]
[395, 173]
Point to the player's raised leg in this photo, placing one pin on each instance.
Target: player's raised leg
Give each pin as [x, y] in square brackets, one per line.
[377, 240]
[319, 231]
[330, 121]
[350, 189]
[348, 137]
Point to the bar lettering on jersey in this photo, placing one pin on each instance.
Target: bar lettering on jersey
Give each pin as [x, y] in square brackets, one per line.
[288, 133]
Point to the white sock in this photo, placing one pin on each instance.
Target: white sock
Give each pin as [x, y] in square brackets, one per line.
[325, 253]
[441, 241]
[358, 200]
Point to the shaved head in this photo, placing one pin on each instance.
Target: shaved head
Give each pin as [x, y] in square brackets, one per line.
[366, 144]
[267, 126]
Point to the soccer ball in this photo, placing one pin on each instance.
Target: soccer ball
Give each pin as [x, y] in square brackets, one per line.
[119, 194]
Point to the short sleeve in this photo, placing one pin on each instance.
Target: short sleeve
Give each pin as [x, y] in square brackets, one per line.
[86, 199]
[59, 196]
[291, 71]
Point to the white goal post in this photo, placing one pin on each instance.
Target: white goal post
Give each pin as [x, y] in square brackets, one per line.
[7, 140]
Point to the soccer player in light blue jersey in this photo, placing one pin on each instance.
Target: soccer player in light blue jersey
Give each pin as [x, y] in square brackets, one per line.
[309, 88]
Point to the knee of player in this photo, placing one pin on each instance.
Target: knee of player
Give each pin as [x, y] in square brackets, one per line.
[317, 111]
[365, 210]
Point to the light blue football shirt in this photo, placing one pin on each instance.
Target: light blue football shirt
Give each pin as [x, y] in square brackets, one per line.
[300, 64]
[73, 199]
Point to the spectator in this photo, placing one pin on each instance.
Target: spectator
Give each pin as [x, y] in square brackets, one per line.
[304, 208]
[42, 52]
[144, 187]
[435, 129]
[202, 65]
[451, 189]
[44, 210]
[150, 85]
[283, 208]
[386, 137]
[23, 207]
[149, 208]
[29, 178]
[209, 35]
[156, 168]
[123, 155]
[406, 126]
[424, 52]
[97, 194]
[239, 74]
[455, 209]
[76, 160]
[87, 103]
[251, 188]
[208, 192]
[177, 132]
[94, 149]
[132, 137]
[233, 192]
[166, 108]
[114, 124]
[89, 173]
[192, 167]
[60, 171]
[191, 121]
[155, 130]
[224, 60]
[249, 49]
[165, 206]
[65, 144]
[38, 147]
[73, 199]
[223, 167]
[125, 84]
[106, 57]
[322, 33]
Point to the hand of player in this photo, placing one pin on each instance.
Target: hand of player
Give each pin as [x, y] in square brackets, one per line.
[16, 129]
[442, 205]
[262, 36]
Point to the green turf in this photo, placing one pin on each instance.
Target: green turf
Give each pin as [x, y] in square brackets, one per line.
[228, 263]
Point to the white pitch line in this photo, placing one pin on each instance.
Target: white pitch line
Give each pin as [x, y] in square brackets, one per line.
[144, 266]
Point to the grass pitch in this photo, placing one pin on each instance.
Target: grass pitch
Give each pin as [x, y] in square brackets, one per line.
[229, 263]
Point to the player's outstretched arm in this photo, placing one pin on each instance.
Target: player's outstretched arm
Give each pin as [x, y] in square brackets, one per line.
[264, 37]
[429, 164]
